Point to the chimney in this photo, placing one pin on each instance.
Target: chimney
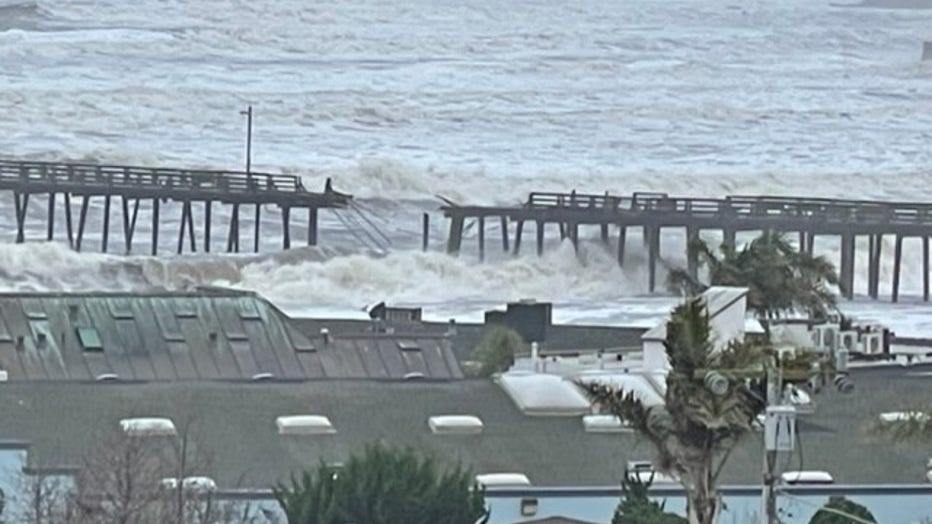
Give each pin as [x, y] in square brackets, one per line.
[325, 334]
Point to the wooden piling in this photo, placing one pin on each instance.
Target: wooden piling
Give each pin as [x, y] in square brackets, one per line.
[255, 236]
[312, 226]
[810, 244]
[504, 233]
[82, 219]
[925, 268]
[692, 258]
[847, 265]
[68, 226]
[233, 233]
[873, 277]
[286, 227]
[455, 240]
[155, 226]
[519, 232]
[574, 236]
[208, 205]
[50, 233]
[540, 238]
[105, 238]
[129, 223]
[897, 258]
[481, 238]
[622, 234]
[605, 233]
[729, 236]
[653, 252]
[21, 201]
[425, 231]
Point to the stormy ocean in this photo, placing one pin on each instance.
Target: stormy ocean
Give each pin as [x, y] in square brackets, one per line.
[475, 101]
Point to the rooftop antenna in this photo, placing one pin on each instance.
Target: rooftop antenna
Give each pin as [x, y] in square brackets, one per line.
[248, 114]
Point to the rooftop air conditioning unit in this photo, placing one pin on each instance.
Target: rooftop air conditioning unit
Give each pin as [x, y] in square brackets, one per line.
[191, 484]
[847, 340]
[807, 477]
[824, 336]
[872, 343]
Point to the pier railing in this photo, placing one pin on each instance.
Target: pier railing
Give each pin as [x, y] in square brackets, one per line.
[105, 178]
[817, 209]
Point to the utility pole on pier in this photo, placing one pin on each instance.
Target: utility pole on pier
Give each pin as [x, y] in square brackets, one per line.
[248, 114]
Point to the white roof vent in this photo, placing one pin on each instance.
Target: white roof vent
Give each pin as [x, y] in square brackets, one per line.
[455, 425]
[4, 376]
[148, 427]
[196, 484]
[807, 477]
[903, 416]
[544, 395]
[304, 425]
[503, 480]
[107, 377]
[604, 424]
[258, 377]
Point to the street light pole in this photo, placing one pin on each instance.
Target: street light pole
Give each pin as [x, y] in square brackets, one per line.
[248, 114]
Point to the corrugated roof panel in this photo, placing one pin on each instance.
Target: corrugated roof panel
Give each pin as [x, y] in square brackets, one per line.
[167, 322]
[371, 360]
[340, 359]
[47, 349]
[217, 344]
[139, 358]
[5, 335]
[203, 357]
[433, 359]
[153, 342]
[395, 365]
[181, 358]
[100, 318]
[62, 321]
[10, 362]
[279, 342]
[98, 365]
[266, 360]
[244, 358]
[229, 319]
[311, 364]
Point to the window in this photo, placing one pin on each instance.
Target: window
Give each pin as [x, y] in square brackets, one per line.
[89, 339]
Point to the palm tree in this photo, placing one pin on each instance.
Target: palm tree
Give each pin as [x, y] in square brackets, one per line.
[780, 279]
[695, 431]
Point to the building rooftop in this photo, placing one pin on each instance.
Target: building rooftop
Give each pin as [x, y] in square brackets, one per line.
[235, 426]
[211, 334]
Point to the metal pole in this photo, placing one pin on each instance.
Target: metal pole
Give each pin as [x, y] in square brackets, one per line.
[248, 114]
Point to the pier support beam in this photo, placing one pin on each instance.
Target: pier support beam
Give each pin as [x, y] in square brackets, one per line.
[255, 236]
[312, 226]
[286, 227]
[622, 234]
[155, 226]
[233, 234]
[519, 232]
[21, 201]
[68, 226]
[728, 237]
[425, 231]
[925, 268]
[873, 266]
[847, 265]
[129, 224]
[692, 258]
[105, 239]
[505, 234]
[82, 219]
[574, 235]
[208, 206]
[50, 233]
[540, 237]
[605, 233]
[897, 258]
[455, 240]
[652, 235]
[481, 238]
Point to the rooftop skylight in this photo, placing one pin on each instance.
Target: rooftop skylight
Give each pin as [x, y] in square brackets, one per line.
[503, 480]
[304, 425]
[148, 427]
[539, 394]
[455, 425]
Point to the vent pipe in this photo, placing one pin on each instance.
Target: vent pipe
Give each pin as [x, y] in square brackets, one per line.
[325, 334]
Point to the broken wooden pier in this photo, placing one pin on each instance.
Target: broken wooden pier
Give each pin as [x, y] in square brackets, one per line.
[656, 213]
[132, 186]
